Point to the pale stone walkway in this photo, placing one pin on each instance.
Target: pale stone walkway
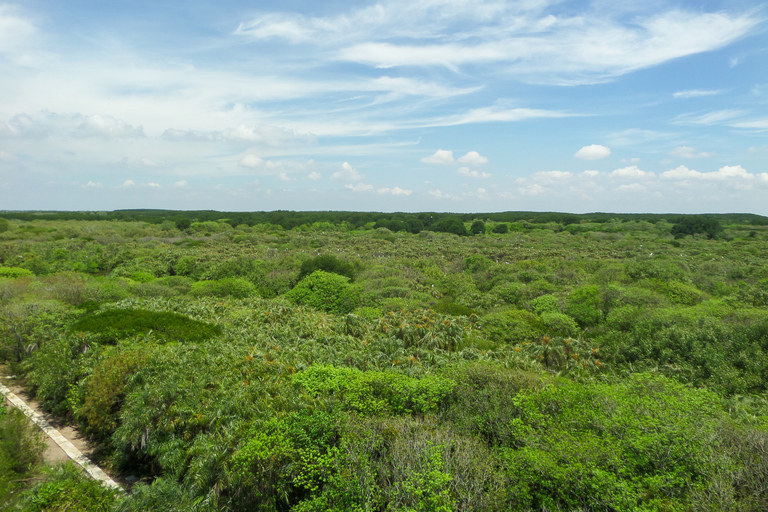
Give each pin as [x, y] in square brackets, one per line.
[72, 452]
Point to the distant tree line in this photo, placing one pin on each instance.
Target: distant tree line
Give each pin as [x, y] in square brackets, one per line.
[396, 222]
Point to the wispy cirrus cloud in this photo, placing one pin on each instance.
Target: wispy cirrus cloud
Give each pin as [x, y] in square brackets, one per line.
[530, 40]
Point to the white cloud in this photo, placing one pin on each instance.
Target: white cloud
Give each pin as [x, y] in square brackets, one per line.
[359, 187]
[5, 156]
[590, 173]
[710, 118]
[148, 163]
[16, 32]
[631, 172]
[551, 176]
[396, 191]
[494, 114]
[465, 171]
[533, 190]
[681, 173]
[758, 124]
[181, 184]
[697, 93]
[689, 152]
[523, 39]
[129, 183]
[632, 187]
[23, 125]
[593, 152]
[283, 176]
[314, 175]
[92, 184]
[441, 156]
[346, 173]
[265, 135]
[154, 185]
[174, 135]
[473, 158]
[103, 126]
[726, 173]
[251, 161]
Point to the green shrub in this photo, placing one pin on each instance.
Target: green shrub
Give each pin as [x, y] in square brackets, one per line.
[66, 488]
[511, 326]
[372, 393]
[14, 272]
[105, 390]
[545, 304]
[327, 263]
[327, 292]
[234, 287]
[559, 324]
[114, 324]
[477, 228]
[21, 452]
[583, 304]
[501, 228]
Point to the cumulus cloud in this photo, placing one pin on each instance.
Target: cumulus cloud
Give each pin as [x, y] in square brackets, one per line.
[631, 172]
[465, 171]
[593, 152]
[551, 176]
[264, 135]
[314, 175]
[98, 125]
[174, 135]
[396, 191]
[129, 183]
[632, 187]
[346, 173]
[359, 187]
[441, 156]
[22, 125]
[181, 184]
[251, 161]
[689, 152]
[725, 173]
[283, 176]
[473, 158]
[154, 185]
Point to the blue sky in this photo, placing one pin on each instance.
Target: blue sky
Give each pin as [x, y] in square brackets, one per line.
[436, 105]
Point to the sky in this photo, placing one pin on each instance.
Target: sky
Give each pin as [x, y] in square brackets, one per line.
[654, 106]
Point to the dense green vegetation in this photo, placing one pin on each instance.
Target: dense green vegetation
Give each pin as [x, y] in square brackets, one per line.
[362, 361]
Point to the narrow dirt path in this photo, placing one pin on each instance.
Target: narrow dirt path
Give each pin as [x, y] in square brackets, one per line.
[62, 441]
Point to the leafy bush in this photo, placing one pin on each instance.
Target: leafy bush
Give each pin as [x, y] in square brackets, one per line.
[371, 393]
[66, 488]
[511, 326]
[327, 263]
[14, 272]
[114, 324]
[583, 304]
[327, 292]
[21, 452]
[235, 287]
[450, 225]
[559, 324]
[501, 228]
[105, 390]
[477, 228]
